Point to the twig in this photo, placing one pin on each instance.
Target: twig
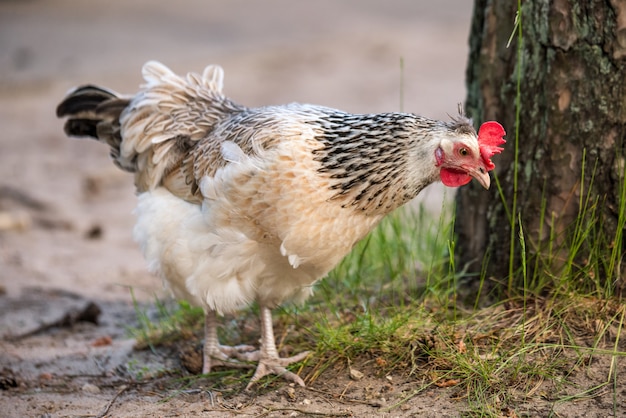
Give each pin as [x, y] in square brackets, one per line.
[111, 402]
[305, 412]
[345, 390]
[345, 400]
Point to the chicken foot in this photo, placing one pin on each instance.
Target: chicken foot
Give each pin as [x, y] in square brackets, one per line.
[215, 354]
[269, 361]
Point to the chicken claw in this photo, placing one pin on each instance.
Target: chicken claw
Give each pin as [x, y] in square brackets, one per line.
[276, 366]
[215, 354]
[269, 361]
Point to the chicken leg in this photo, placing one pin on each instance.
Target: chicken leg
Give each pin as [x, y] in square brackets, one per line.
[269, 361]
[215, 354]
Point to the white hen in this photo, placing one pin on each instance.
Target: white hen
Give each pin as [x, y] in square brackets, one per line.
[240, 205]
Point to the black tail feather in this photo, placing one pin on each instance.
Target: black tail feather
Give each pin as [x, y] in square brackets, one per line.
[95, 112]
[81, 127]
[84, 99]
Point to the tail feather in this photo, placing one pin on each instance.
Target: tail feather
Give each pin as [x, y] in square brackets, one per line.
[95, 112]
[84, 99]
[152, 132]
[81, 127]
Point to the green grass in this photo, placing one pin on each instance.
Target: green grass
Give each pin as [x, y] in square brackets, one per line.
[164, 322]
[495, 357]
[390, 308]
[402, 259]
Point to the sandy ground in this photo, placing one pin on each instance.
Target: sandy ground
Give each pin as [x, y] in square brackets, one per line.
[66, 254]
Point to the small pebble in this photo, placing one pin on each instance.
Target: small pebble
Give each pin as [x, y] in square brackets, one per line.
[90, 388]
[18, 221]
[291, 393]
[355, 374]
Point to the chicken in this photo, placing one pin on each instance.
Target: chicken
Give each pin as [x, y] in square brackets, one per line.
[239, 205]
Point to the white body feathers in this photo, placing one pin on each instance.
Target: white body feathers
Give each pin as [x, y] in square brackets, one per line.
[264, 232]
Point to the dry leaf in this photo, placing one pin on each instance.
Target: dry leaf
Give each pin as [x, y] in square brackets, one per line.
[447, 383]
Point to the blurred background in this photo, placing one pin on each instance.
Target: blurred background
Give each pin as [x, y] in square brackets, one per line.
[66, 212]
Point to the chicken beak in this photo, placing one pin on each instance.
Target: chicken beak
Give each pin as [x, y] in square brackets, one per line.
[482, 176]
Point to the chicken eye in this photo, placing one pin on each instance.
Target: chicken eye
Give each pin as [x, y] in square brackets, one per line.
[464, 152]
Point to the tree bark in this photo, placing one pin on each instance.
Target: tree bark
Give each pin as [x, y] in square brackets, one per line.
[572, 131]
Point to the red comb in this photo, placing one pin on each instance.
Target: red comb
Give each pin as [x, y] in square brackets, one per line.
[489, 137]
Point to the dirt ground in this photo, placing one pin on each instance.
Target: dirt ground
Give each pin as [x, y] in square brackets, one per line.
[67, 259]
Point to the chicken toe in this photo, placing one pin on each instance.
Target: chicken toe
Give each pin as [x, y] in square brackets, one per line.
[215, 354]
[276, 366]
[269, 361]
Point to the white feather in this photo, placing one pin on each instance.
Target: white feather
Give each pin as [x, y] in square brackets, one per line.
[294, 260]
[205, 256]
[232, 152]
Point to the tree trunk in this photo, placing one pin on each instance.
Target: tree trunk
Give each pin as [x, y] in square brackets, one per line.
[572, 131]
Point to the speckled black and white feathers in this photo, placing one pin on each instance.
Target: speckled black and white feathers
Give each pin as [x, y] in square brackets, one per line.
[370, 157]
[373, 162]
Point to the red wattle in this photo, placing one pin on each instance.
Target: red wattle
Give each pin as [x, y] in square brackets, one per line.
[454, 178]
